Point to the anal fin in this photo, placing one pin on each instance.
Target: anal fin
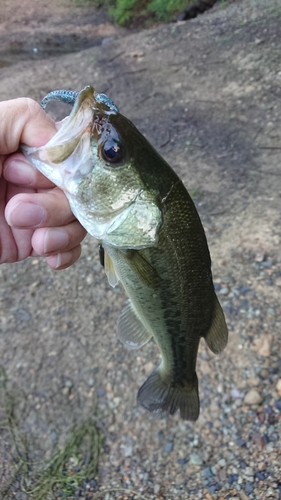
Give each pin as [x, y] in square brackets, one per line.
[217, 335]
[160, 395]
[130, 329]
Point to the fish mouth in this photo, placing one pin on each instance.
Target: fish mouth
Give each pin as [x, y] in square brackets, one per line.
[71, 129]
[67, 157]
[78, 123]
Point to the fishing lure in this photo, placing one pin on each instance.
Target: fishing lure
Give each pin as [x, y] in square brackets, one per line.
[70, 96]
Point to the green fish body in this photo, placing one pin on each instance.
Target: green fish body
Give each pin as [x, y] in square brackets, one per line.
[127, 196]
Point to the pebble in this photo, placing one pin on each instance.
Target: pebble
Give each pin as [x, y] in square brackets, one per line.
[249, 488]
[278, 404]
[270, 492]
[207, 472]
[222, 462]
[156, 488]
[249, 471]
[148, 368]
[265, 347]
[196, 459]
[243, 496]
[128, 450]
[253, 397]
[169, 446]
[278, 387]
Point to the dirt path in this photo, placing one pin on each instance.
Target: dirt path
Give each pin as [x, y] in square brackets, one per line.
[207, 93]
[35, 30]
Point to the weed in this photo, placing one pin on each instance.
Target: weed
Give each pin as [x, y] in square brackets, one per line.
[124, 11]
[68, 467]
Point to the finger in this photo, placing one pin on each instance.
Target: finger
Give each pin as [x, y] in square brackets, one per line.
[64, 259]
[23, 120]
[35, 210]
[18, 170]
[47, 241]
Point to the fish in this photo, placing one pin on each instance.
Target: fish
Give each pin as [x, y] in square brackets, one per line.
[152, 241]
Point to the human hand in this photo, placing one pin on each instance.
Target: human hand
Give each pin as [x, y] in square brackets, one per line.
[35, 217]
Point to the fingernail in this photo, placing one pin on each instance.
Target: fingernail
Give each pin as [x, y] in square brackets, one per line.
[64, 259]
[61, 259]
[20, 172]
[55, 239]
[26, 214]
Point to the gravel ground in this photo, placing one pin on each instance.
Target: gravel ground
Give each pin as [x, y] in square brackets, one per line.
[207, 94]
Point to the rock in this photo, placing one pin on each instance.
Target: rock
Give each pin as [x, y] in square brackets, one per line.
[249, 471]
[260, 256]
[128, 450]
[222, 476]
[264, 373]
[156, 488]
[243, 496]
[195, 459]
[179, 479]
[278, 387]
[270, 492]
[253, 397]
[169, 446]
[265, 347]
[148, 368]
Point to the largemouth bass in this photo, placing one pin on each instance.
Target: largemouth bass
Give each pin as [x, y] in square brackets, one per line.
[126, 195]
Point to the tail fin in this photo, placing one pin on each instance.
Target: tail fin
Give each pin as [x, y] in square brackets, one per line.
[158, 395]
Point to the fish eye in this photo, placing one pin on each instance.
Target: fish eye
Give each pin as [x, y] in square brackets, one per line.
[111, 151]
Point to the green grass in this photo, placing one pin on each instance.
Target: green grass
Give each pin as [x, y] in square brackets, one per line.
[125, 11]
[68, 467]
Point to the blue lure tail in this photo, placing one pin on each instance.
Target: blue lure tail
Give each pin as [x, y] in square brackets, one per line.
[69, 97]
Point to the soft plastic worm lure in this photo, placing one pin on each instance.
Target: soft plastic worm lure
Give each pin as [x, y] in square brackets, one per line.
[69, 97]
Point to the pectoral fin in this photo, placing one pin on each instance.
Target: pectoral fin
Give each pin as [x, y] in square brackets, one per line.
[144, 270]
[130, 329]
[110, 271]
[217, 335]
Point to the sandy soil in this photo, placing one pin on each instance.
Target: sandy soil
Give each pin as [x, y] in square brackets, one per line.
[207, 93]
